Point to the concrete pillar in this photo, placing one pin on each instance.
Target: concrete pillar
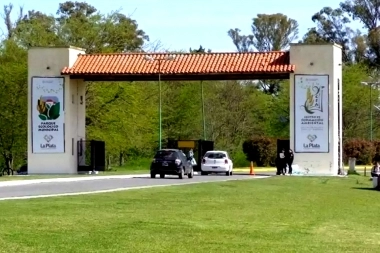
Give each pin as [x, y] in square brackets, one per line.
[316, 108]
[56, 111]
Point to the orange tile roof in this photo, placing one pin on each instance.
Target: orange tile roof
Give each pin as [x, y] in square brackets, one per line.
[182, 64]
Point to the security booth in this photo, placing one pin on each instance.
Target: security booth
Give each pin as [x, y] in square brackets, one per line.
[199, 147]
[91, 155]
[282, 144]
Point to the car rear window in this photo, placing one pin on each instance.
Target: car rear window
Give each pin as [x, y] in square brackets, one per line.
[216, 155]
[165, 154]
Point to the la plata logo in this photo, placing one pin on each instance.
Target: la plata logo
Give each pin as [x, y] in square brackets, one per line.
[311, 144]
[48, 145]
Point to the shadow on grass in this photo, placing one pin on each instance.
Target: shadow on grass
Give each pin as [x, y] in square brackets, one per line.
[365, 188]
[205, 176]
[256, 174]
[157, 177]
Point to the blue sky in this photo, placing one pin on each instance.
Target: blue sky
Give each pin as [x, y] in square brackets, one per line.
[179, 25]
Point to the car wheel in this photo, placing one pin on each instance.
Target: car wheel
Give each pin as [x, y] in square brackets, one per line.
[152, 175]
[162, 175]
[227, 173]
[181, 174]
[191, 174]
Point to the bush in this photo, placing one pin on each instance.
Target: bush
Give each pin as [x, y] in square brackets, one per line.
[376, 145]
[239, 159]
[261, 150]
[364, 151]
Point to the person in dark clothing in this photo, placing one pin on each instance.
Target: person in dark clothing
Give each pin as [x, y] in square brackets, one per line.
[375, 172]
[282, 161]
[289, 160]
[278, 166]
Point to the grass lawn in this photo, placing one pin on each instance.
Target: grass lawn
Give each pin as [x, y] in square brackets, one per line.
[279, 214]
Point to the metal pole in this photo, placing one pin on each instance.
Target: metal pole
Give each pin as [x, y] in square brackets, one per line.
[370, 101]
[203, 112]
[160, 107]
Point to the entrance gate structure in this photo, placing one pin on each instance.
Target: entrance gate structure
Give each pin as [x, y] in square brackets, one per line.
[57, 110]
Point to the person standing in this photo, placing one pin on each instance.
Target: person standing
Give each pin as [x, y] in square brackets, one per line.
[289, 160]
[282, 160]
[191, 157]
[375, 170]
[278, 167]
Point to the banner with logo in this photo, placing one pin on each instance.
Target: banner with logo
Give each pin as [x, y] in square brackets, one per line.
[311, 113]
[48, 134]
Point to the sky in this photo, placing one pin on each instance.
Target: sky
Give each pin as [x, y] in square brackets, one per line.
[179, 25]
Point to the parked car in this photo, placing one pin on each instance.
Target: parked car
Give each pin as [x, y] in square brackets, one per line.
[171, 162]
[217, 162]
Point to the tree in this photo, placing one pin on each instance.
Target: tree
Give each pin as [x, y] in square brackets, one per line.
[122, 115]
[273, 32]
[200, 50]
[364, 10]
[356, 102]
[233, 113]
[36, 29]
[81, 25]
[242, 43]
[312, 36]
[367, 12]
[359, 47]
[9, 24]
[332, 27]
[13, 106]
[277, 112]
[182, 110]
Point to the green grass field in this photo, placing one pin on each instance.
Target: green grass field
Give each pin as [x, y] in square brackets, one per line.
[279, 214]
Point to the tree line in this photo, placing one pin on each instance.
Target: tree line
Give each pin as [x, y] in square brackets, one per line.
[125, 115]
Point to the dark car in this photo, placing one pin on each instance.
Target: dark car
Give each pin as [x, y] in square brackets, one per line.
[171, 162]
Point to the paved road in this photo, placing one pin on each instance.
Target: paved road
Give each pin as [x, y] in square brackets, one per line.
[99, 185]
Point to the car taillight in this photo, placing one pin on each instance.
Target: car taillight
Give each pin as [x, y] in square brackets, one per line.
[177, 161]
[226, 161]
[204, 161]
